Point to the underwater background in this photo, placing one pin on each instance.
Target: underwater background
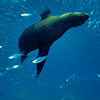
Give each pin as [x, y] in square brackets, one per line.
[75, 57]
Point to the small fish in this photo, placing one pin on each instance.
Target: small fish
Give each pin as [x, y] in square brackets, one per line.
[14, 56]
[16, 83]
[39, 59]
[89, 24]
[91, 12]
[3, 73]
[0, 46]
[98, 22]
[61, 86]
[13, 67]
[94, 26]
[98, 75]
[68, 80]
[26, 14]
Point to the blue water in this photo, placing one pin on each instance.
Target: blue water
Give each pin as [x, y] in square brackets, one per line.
[76, 52]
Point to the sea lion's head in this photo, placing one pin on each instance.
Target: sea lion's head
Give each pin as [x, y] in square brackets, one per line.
[75, 18]
[78, 18]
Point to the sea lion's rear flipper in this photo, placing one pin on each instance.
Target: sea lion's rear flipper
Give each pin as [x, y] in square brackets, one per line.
[39, 67]
[45, 13]
[43, 52]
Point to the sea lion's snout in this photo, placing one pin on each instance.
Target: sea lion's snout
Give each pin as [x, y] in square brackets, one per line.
[86, 16]
[83, 16]
[79, 18]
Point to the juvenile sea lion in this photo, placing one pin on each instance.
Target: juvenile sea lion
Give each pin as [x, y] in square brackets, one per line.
[42, 35]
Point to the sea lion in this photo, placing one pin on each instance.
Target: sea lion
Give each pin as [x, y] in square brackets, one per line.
[43, 34]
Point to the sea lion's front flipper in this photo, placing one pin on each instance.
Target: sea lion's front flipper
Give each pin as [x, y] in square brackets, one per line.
[45, 13]
[43, 52]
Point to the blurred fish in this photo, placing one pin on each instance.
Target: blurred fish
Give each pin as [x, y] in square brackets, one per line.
[0, 46]
[98, 75]
[89, 24]
[2, 73]
[39, 59]
[13, 67]
[98, 22]
[26, 14]
[71, 78]
[14, 56]
[9, 68]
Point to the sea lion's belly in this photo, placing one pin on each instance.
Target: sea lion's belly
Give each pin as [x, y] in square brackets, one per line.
[26, 43]
[36, 35]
